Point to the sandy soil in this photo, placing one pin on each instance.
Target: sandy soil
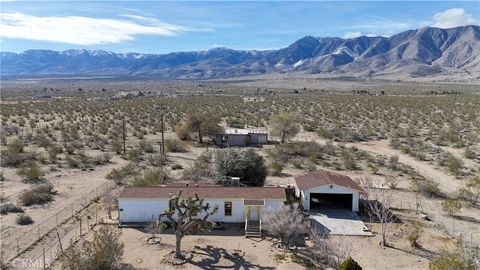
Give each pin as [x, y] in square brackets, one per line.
[214, 251]
[71, 185]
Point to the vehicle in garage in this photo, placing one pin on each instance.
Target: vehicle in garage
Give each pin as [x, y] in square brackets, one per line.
[327, 190]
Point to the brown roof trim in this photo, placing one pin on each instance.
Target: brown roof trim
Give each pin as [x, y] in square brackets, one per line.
[322, 178]
[254, 202]
[211, 192]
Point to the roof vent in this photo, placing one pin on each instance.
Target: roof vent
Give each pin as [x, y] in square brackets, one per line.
[186, 184]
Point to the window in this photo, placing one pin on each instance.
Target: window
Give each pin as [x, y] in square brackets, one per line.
[228, 209]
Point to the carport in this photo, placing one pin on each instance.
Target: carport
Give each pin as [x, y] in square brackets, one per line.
[327, 190]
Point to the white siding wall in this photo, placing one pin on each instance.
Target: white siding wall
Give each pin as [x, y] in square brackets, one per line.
[141, 210]
[326, 189]
[146, 210]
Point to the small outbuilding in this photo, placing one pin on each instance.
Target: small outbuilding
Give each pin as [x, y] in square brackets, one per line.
[327, 190]
[241, 137]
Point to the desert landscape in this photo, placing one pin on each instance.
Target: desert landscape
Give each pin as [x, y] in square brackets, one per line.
[422, 147]
[336, 135]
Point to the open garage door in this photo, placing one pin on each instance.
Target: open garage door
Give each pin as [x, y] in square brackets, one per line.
[331, 201]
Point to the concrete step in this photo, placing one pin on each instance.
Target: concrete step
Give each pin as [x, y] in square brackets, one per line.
[253, 235]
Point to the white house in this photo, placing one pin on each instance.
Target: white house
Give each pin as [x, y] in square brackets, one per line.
[235, 204]
[324, 189]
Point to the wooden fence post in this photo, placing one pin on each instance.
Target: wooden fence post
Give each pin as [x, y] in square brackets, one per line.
[59, 242]
[43, 255]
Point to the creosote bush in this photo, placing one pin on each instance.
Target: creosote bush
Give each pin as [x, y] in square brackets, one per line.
[175, 146]
[23, 219]
[10, 208]
[31, 173]
[105, 251]
[41, 194]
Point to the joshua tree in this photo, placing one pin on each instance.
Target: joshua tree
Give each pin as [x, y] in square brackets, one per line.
[184, 217]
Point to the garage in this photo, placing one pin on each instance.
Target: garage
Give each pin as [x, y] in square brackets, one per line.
[328, 190]
[330, 201]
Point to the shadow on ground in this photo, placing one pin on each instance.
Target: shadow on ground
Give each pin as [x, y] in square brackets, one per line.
[211, 258]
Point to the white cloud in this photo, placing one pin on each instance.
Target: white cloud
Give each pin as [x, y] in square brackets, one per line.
[352, 34]
[83, 30]
[453, 17]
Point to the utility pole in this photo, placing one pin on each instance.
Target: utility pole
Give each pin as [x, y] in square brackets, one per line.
[124, 136]
[162, 114]
[163, 136]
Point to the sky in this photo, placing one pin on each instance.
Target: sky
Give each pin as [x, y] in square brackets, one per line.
[162, 27]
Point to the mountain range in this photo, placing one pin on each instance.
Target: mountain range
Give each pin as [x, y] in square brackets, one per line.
[423, 52]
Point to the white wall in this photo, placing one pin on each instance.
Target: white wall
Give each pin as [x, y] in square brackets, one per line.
[141, 210]
[305, 194]
[146, 210]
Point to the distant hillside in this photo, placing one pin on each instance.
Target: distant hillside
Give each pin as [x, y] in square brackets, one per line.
[416, 53]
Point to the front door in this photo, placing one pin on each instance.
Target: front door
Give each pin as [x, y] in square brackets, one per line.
[253, 212]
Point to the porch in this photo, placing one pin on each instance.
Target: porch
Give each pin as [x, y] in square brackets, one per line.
[253, 217]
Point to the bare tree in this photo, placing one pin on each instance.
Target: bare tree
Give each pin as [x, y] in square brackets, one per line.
[184, 217]
[110, 201]
[330, 250]
[378, 202]
[285, 223]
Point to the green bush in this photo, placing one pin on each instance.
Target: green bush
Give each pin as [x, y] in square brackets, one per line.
[134, 155]
[72, 162]
[276, 168]
[175, 146]
[31, 173]
[452, 261]
[41, 194]
[426, 187]
[156, 160]
[13, 155]
[24, 220]
[153, 177]
[10, 208]
[121, 175]
[296, 162]
[177, 167]
[349, 264]
[451, 206]
[246, 164]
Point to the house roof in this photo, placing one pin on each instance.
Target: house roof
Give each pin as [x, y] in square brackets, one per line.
[247, 193]
[241, 131]
[322, 178]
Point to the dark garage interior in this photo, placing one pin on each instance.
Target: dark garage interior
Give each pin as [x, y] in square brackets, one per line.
[330, 201]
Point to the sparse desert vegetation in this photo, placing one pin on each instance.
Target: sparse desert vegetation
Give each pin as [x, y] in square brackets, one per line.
[420, 149]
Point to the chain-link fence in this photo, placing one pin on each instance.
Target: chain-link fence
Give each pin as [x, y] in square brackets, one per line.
[61, 223]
